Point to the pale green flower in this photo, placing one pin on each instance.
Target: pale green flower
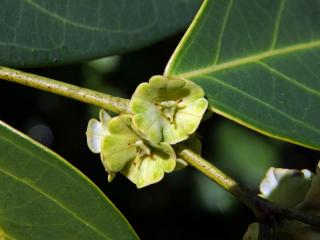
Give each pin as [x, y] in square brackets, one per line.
[293, 189]
[122, 150]
[286, 187]
[167, 110]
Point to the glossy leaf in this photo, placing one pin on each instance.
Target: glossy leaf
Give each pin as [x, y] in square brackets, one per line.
[44, 197]
[41, 32]
[258, 62]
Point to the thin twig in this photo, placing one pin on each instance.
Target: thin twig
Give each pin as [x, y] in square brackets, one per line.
[261, 207]
[111, 103]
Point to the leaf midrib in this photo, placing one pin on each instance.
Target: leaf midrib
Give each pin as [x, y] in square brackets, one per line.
[250, 59]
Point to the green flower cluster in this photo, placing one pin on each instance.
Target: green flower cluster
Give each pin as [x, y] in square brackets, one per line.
[164, 112]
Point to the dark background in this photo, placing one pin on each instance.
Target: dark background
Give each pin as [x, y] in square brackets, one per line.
[185, 205]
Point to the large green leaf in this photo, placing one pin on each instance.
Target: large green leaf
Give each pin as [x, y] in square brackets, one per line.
[259, 64]
[44, 197]
[42, 32]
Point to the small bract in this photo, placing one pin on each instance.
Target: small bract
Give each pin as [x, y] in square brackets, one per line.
[167, 110]
[122, 150]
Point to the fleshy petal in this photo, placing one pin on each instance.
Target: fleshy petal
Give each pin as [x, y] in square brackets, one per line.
[97, 130]
[118, 147]
[94, 134]
[150, 125]
[117, 151]
[144, 171]
[286, 187]
[111, 174]
[142, 99]
[121, 125]
[161, 82]
[190, 117]
[187, 121]
[104, 119]
[168, 161]
[143, 92]
[150, 172]
[195, 93]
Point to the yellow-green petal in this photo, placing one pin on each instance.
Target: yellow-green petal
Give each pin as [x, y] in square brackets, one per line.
[150, 125]
[104, 119]
[117, 151]
[118, 147]
[160, 82]
[195, 93]
[144, 171]
[168, 161]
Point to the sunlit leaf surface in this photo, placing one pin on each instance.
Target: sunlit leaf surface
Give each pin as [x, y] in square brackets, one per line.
[259, 64]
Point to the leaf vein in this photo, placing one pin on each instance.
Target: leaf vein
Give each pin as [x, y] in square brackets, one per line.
[250, 59]
[277, 25]
[289, 79]
[87, 27]
[52, 199]
[229, 86]
[224, 24]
